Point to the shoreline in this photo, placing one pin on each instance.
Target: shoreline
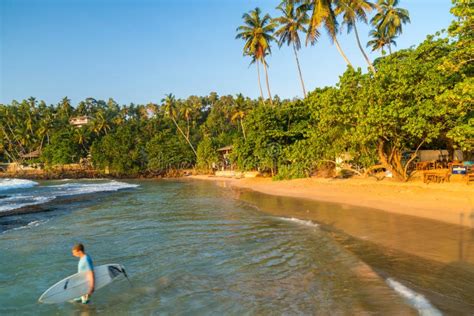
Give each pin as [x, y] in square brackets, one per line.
[451, 203]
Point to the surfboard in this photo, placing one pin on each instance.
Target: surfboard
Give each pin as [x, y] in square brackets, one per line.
[76, 285]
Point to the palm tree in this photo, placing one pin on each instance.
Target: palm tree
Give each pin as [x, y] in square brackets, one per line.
[101, 123]
[353, 10]
[389, 19]
[255, 61]
[380, 40]
[323, 16]
[257, 34]
[291, 23]
[239, 112]
[187, 110]
[169, 106]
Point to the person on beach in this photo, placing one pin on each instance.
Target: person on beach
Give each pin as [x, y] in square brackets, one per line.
[85, 265]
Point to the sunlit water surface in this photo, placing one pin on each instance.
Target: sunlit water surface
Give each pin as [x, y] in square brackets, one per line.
[192, 248]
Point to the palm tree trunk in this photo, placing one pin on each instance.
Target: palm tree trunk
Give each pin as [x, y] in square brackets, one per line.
[259, 82]
[390, 49]
[187, 124]
[299, 69]
[184, 135]
[266, 78]
[340, 51]
[362, 50]
[243, 129]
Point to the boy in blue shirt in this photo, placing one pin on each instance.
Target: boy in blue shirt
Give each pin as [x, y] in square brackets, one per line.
[85, 265]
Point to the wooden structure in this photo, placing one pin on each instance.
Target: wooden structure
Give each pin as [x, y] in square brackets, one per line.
[436, 177]
[224, 157]
[438, 173]
[31, 155]
[80, 121]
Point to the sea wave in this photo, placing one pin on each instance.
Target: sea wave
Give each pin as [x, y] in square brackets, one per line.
[299, 221]
[10, 184]
[19, 200]
[414, 299]
[48, 193]
[29, 225]
[75, 188]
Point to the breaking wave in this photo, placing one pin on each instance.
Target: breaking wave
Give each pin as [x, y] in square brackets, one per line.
[11, 184]
[414, 299]
[298, 221]
[43, 194]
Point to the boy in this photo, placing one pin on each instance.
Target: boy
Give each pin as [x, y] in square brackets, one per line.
[84, 265]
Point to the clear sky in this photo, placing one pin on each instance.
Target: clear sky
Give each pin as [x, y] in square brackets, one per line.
[138, 50]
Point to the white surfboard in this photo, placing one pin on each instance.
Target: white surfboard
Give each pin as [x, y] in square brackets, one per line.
[76, 285]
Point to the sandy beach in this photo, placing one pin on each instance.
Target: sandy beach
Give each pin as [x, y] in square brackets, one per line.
[447, 202]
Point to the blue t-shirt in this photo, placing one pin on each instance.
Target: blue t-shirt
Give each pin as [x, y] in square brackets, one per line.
[85, 264]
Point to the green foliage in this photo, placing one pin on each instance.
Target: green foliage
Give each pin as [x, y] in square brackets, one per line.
[62, 149]
[167, 151]
[417, 98]
[269, 131]
[121, 153]
[206, 155]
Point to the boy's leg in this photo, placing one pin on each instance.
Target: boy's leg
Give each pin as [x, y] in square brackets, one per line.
[85, 299]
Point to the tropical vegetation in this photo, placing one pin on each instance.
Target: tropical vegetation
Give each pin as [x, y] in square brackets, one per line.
[410, 99]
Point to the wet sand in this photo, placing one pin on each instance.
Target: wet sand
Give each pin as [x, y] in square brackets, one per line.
[425, 244]
[447, 202]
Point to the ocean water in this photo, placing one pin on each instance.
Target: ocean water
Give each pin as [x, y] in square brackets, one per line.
[193, 248]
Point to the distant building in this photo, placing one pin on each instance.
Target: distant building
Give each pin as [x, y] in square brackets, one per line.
[79, 121]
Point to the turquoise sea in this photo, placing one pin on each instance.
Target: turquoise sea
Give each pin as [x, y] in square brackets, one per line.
[197, 248]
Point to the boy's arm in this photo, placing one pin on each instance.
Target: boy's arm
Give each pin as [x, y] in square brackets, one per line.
[91, 279]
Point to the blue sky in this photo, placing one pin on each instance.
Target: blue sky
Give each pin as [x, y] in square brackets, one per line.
[138, 50]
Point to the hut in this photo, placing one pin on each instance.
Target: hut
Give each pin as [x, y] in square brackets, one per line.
[224, 156]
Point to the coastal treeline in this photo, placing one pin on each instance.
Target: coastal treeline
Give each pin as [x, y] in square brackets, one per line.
[411, 99]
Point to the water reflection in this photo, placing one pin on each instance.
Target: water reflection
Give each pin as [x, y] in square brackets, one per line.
[428, 239]
[431, 257]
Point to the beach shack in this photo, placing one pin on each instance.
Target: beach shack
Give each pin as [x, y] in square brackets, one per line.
[224, 157]
[80, 121]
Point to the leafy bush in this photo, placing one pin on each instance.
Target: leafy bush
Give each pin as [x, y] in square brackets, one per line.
[206, 155]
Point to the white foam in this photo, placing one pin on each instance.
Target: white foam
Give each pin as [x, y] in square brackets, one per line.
[69, 189]
[10, 184]
[414, 299]
[29, 225]
[299, 221]
[18, 201]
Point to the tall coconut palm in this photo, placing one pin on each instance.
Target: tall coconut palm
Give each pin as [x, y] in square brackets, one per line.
[390, 19]
[351, 11]
[169, 106]
[323, 15]
[380, 40]
[257, 33]
[291, 23]
[255, 61]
